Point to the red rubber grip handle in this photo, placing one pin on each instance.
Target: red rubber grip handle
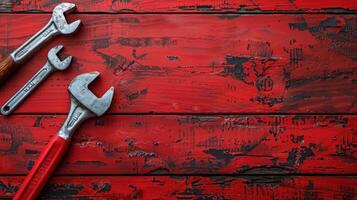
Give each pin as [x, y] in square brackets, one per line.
[43, 169]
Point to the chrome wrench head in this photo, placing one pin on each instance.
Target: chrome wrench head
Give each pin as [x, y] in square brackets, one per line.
[56, 25]
[55, 61]
[53, 64]
[84, 104]
[60, 20]
[79, 90]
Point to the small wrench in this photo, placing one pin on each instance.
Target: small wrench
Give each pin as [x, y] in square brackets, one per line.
[56, 25]
[84, 104]
[53, 63]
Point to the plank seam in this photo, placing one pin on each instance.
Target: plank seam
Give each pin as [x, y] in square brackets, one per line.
[35, 12]
[207, 175]
[196, 114]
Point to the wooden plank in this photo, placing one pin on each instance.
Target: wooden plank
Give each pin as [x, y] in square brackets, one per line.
[190, 6]
[168, 144]
[199, 63]
[191, 187]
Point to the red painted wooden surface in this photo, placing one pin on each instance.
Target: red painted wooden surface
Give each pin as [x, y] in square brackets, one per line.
[199, 63]
[289, 80]
[172, 144]
[192, 187]
[189, 5]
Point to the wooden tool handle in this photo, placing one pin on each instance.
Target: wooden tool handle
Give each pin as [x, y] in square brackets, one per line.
[7, 66]
[43, 169]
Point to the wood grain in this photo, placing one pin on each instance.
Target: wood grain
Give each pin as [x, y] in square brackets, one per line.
[7, 66]
[186, 65]
[191, 187]
[189, 6]
[199, 63]
[169, 144]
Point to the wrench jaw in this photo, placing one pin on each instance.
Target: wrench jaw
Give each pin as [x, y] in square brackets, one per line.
[84, 104]
[57, 25]
[69, 29]
[60, 21]
[79, 90]
[105, 101]
[55, 61]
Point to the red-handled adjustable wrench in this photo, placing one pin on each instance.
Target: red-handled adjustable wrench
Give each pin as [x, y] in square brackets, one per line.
[84, 104]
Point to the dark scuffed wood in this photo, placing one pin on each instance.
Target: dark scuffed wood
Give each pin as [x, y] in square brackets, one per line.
[191, 187]
[7, 66]
[173, 63]
[189, 6]
[198, 63]
[169, 144]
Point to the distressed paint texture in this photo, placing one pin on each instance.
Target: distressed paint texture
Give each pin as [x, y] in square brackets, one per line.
[192, 6]
[214, 99]
[191, 187]
[170, 144]
[199, 63]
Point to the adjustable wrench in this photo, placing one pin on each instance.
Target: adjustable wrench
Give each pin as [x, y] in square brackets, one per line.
[53, 63]
[84, 104]
[56, 25]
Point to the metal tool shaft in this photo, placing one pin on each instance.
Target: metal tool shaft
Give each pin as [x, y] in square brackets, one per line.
[76, 116]
[56, 25]
[34, 82]
[25, 50]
